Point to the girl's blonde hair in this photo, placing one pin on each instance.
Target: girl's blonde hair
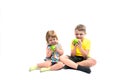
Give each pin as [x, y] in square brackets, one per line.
[51, 33]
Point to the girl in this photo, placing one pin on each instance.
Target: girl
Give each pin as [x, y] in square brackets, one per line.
[53, 52]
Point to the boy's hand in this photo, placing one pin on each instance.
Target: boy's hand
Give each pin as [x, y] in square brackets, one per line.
[75, 42]
[79, 42]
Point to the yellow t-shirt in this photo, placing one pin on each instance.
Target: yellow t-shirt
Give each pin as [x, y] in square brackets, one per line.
[85, 45]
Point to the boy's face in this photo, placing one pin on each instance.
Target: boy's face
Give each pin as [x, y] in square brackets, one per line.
[79, 34]
[52, 41]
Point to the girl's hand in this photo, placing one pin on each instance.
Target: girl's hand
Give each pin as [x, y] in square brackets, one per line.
[49, 50]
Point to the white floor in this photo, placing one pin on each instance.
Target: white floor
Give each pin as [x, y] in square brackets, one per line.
[19, 71]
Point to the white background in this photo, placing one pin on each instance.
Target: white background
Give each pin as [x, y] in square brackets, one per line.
[23, 25]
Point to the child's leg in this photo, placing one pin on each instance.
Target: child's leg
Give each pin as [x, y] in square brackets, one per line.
[68, 62]
[40, 65]
[55, 66]
[44, 64]
[74, 65]
[88, 63]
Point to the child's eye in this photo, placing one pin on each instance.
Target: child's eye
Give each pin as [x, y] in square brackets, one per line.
[76, 34]
[50, 40]
[79, 34]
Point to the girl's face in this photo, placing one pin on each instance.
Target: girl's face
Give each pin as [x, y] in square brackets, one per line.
[52, 41]
[79, 34]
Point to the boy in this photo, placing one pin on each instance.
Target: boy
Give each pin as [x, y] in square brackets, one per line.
[80, 57]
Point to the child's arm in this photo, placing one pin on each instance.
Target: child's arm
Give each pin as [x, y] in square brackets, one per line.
[84, 51]
[60, 50]
[73, 47]
[73, 51]
[48, 52]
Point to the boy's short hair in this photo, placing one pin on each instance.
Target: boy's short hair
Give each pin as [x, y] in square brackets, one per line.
[51, 33]
[81, 27]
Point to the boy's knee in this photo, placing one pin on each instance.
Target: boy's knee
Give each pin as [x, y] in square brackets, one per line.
[63, 57]
[93, 61]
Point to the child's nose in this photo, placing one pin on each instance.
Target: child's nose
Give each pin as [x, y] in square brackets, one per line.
[53, 41]
[78, 35]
